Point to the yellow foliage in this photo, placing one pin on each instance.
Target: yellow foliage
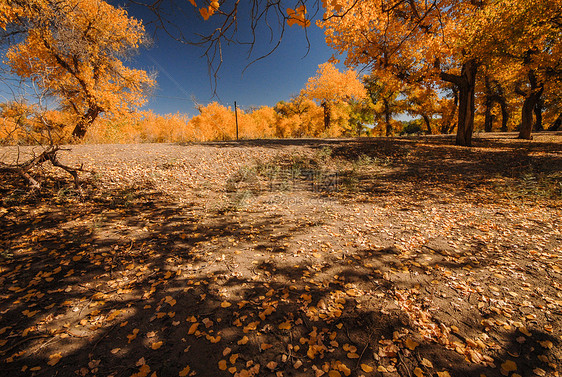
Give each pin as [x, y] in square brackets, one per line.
[297, 16]
[74, 53]
[331, 85]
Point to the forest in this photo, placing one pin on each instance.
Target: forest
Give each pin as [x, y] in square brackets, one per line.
[400, 216]
[449, 66]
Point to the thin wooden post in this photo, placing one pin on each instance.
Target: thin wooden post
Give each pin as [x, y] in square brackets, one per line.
[236, 117]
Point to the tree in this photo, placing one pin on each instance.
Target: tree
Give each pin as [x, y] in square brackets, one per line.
[299, 117]
[526, 37]
[21, 122]
[331, 87]
[494, 92]
[214, 122]
[384, 92]
[74, 50]
[361, 114]
[422, 101]
[413, 40]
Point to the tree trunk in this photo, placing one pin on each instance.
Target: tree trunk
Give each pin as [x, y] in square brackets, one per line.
[532, 97]
[388, 126]
[488, 103]
[505, 113]
[488, 115]
[427, 123]
[326, 107]
[85, 122]
[527, 118]
[466, 84]
[538, 115]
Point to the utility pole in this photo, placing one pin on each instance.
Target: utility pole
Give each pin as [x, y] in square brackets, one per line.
[236, 117]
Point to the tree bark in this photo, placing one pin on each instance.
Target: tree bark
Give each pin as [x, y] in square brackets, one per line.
[85, 122]
[532, 97]
[327, 119]
[538, 115]
[527, 118]
[427, 123]
[466, 85]
[488, 103]
[387, 114]
[488, 116]
[505, 113]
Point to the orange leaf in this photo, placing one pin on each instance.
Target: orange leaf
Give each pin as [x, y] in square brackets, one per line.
[156, 345]
[366, 368]
[193, 328]
[54, 358]
[222, 365]
[184, 372]
[411, 344]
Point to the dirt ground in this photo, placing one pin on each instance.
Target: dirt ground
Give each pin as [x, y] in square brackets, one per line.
[360, 257]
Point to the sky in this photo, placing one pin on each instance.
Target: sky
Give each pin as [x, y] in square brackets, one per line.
[183, 73]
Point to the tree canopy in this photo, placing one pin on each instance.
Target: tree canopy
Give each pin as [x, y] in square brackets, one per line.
[74, 51]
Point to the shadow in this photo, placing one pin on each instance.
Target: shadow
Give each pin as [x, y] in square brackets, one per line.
[129, 281]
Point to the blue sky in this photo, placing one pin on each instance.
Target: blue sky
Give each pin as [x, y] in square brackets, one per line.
[183, 73]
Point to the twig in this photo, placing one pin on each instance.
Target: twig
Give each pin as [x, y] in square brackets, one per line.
[23, 341]
[404, 364]
[364, 349]
[100, 339]
[44, 344]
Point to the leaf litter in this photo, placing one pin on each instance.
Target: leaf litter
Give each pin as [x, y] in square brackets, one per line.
[398, 271]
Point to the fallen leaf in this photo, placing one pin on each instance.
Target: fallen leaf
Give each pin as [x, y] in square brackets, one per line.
[243, 341]
[443, 374]
[54, 358]
[193, 328]
[132, 336]
[426, 363]
[251, 326]
[366, 368]
[546, 344]
[185, 371]
[156, 345]
[509, 366]
[524, 331]
[342, 367]
[222, 365]
[225, 304]
[29, 314]
[411, 344]
[418, 372]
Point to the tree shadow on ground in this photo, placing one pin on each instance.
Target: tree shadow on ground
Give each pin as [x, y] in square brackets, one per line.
[128, 282]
